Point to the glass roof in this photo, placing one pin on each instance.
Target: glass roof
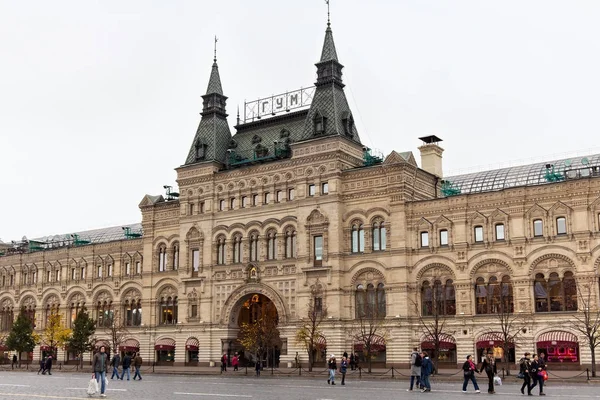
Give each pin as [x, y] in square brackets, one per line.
[523, 175]
[93, 236]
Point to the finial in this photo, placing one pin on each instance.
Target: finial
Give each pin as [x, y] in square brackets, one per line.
[328, 21]
[238, 114]
[216, 40]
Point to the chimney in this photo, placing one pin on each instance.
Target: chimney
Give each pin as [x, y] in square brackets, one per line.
[431, 155]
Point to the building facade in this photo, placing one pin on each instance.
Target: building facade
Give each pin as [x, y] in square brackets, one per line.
[292, 210]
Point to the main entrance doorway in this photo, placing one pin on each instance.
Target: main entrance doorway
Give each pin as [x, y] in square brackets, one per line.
[258, 338]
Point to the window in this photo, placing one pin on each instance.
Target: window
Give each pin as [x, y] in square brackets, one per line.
[99, 271]
[271, 244]
[104, 314]
[162, 259]
[168, 311]
[538, 228]
[319, 123]
[494, 296]
[318, 304]
[279, 196]
[221, 251]
[48, 278]
[75, 309]
[324, 188]
[201, 207]
[478, 234]
[439, 299]
[290, 244]
[291, 194]
[237, 249]
[444, 237]
[195, 260]
[370, 303]
[133, 313]
[424, 239]
[221, 205]
[82, 274]
[561, 226]
[379, 236]
[191, 208]
[109, 270]
[56, 277]
[138, 267]
[175, 257]
[311, 190]
[232, 203]
[6, 318]
[358, 238]
[245, 202]
[499, 231]
[318, 246]
[194, 311]
[554, 294]
[127, 268]
[267, 198]
[254, 247]
[254, 199]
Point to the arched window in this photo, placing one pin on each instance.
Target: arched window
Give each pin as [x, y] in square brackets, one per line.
[555, 294]
[175, 257]
[426, 299]
[358, 238]
[508, 305]
[481, 296]
[6, 317]
[168, 310]
[133, 312]
[162, 259]
[237, 249]
[290, 243]
[104, 314]
[30, 313]
[360, 301]
[379, 236]
[381, 302]
[449, 298]
[494, 296]
[221, 251]
[254, 247]
[439, 299]
[271, 246]
[75, 308]
[50, 310]
[370, 303]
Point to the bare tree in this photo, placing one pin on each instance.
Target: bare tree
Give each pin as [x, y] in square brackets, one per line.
[371, 332]
[587, 320]
[309, 332]
[114, 325]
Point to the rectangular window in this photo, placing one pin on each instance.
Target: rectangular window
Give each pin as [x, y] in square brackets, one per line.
[291, 194]
[324, 188]
[99, 270]
[221, 205]
[138, 267]
[499, 231]
[443, 237]
[127, 268]
[109, 270]
[245, 201]
[318, 304]
[232, 203]
[56, 276]
[194, 311]
[424, 239]
[254, 199]
[82, 273]
[191, 208]
[73, 274]
[538, 228]
[318, 243]
[195, 260]
[561, 226]
[311, 190]
[12, 280]
[279, 196]
[478, 234]
[201, 207]
[267, 198]
[48, 277]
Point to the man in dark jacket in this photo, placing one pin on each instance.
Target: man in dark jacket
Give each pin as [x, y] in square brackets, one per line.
[126, 366]
[426, 370]
[100, 364]
[115, 364]
[49, 365]
[137, 363]
[525, 369]
[42, 366]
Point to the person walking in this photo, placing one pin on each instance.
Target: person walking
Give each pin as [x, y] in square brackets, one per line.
[344, 368]
[224, 363]
[541, 371]
[257, 367]
[48, 365]
[100, 365]
[415, 369]
[489, 366]
[533, 371]
[469, 369]
[235, 361]
[524, 369]
[42, 366]
[352, 361]
[14, 361]
[332, 365]
[116, 361]
[137, 363]
[426, 370]
[126, 366]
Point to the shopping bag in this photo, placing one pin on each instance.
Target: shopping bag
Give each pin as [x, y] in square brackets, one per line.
[106, 381]
[497, 380]
[543, 375]
[92, 387]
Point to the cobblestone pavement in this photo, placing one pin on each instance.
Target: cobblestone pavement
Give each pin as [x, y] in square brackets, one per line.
[28, 385]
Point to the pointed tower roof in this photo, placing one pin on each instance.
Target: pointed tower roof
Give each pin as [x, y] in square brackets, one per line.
[328, 53]
[214, 83]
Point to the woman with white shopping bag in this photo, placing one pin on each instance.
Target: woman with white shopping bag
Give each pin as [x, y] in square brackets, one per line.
[100, 366]
[92, 388]
[489, 366]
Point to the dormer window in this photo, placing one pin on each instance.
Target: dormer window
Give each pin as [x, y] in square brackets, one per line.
[348, 122]
[200, 151]
[319, 122]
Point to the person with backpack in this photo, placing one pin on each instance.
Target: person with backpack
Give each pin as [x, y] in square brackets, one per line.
[489, 366]
[415, 369]
[469, 369]
[524, 371]
[426, 370]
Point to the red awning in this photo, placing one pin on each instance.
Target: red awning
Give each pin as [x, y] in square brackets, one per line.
[377, 344]
[192, 344]
[492, 339]
[164, 344]
[45, 348]
[3, 347]
[101, 343]
[447, 342]
[130, 345]
[321, 342]
[557, 338]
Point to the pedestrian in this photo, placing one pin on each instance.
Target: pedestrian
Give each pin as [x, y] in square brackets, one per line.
[344, 368]
[14, 361]
[257, 367]
[524, 370]
[533, 371]
[415, 369]
[42, 366]
[352, 361]
[345, 355]
[100, 365]
[235, 361]
[469, 369]
[224, 363]
[115, 364]
[426, 370]
[332, 365]
[541, 372]
[137, 363]
[489, 366]
[126, 366]
[49, 365]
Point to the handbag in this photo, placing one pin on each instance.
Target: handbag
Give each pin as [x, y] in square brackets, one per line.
[497, 380]
[543, 375]
[468, 374]
[521, 375]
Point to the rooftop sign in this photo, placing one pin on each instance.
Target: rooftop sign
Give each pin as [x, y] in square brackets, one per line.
[277, 104]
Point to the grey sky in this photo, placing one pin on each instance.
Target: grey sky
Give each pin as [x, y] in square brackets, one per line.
[99, 100]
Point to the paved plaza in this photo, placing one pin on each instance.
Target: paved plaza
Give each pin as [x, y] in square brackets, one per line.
[28, 385]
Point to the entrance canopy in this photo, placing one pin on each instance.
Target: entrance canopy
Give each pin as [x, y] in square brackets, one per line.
[447, 342]
[130, 345]
[377, 344]
[164, 344]
[192, 344]
[492, 339]
[557, 338]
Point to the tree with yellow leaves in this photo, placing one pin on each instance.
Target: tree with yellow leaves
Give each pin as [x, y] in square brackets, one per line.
[55, 334]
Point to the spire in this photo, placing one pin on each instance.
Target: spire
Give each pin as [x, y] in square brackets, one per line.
[214, 83]
[328, 53]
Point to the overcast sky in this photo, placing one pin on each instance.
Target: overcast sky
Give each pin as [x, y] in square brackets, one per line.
[100, 100]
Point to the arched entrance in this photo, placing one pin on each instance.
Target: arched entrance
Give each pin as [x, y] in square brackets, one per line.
[258, 337]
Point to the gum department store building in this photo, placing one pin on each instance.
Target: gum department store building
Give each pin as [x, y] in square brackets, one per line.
[292, 209]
